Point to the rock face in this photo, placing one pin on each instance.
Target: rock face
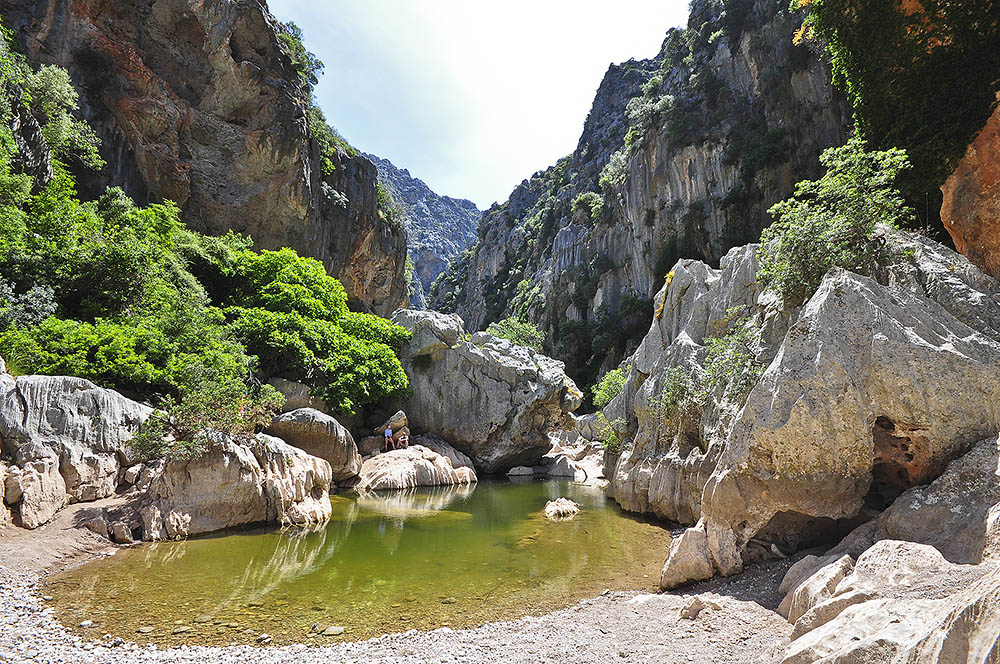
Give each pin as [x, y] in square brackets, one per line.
[749, 114]
[411, 467]
[234, 485]
[868, 390]
[321, 436]
[971, 207]
[4, 512]
[901, 603]
[35, 490]
[199, 103]
[73, 428]
[438, 228]
[492, 400]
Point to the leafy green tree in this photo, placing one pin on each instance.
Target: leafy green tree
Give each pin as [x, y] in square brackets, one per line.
[521, 332]
[831, 221]
[306, 64]
[53, 101]
[609, 387]
[921, 76]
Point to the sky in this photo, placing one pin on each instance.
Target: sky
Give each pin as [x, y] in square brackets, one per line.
[471, 96]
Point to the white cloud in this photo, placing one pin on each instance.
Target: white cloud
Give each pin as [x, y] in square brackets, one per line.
[471, 96]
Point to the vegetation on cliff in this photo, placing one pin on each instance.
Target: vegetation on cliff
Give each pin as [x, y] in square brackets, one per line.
[130, 298]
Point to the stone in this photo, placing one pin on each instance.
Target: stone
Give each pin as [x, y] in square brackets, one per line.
[439, 446]
[958, 513]
[561, 509]
[321, 436]
[120, 533]
[217, 126]
[296, 395]
[970, 209]
[411, 467]
[87, 428]
[829, 430]
[688, 559]
[802, 570]
[492, 400]
[903, 602]
[97, 525]
[5, 516]
[813, 590]
[131, 474]
[369, 445]
[235, 484]
[520, 471]
[695, 606]
[333, 630]
[37, 491]
[397, 422]
[146, 629]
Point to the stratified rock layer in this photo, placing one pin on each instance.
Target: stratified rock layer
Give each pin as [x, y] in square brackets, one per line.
[495, 401]
[971, 207]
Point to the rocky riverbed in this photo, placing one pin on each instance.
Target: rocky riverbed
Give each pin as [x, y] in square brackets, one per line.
[721, 621]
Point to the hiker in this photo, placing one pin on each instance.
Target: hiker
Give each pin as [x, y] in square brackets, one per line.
[404, 440]
[388, 439]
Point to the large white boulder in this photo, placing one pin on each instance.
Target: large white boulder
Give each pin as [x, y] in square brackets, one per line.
[234, 484]
[322, 436]
[411, 467]
[493, 400]
[35, 490]
[85, 427]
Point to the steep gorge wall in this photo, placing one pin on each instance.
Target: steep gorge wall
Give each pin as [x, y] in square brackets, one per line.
[438, 228]
[198, 103]
[744, 114]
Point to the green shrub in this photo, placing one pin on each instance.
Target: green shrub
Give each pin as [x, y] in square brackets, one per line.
[610, 386]
[831, 222]
[308, 67]
[592, 202]
[521, 332]
[731, 362]
[611, 439]
[180, 429]
[613, 174]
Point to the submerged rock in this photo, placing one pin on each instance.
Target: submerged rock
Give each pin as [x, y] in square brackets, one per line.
[411, 467]
[321, 436]
[561, 509]
[492, 400]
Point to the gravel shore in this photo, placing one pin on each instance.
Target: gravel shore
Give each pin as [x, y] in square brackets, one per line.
[738, 625]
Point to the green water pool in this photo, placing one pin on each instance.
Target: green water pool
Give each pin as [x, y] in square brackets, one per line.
[421, 559]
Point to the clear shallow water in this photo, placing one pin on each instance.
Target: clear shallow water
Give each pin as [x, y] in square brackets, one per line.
[427, 558]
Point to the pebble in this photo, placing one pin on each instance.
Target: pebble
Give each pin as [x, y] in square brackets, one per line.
[333, 630]
[146, 630]
[183, 629]
[87, 623]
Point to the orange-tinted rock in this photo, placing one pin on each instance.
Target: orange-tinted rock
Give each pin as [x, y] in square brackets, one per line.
[199, 104]
[971, 207]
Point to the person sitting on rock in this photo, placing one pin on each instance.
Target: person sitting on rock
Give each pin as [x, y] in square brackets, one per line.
[404, 440]
[388, 440]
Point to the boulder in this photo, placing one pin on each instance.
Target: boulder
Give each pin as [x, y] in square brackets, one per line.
[237, 484]
[970, 209]
[87, 429]
[369, 445]
[829, 428]
[397, 422]
[520, 471]
[492, 400]
[958, 513]
[321, 436]
[561, 509]
[903, 602]
[296, 395]
[411, 467]
[819, 586]
[439, 446]
[36, 490]
[688, 559]
[4, 512]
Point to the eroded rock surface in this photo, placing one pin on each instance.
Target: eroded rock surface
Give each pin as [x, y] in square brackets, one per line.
[971, 207]
[84, 428]
[561, 509]
[236, 484]
[321, 436]
[492, 400]
[411, 467]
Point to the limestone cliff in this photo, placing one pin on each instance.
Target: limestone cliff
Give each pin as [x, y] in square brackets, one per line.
[199, 103]
[721, 124]
[438, 228]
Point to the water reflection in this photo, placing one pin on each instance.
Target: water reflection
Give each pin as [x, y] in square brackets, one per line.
[387, 562]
